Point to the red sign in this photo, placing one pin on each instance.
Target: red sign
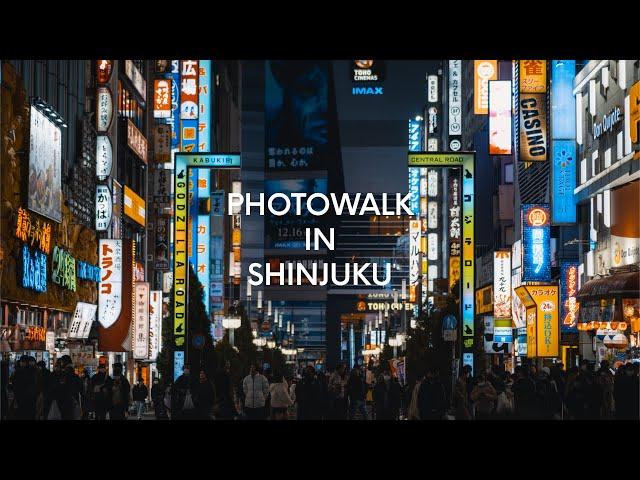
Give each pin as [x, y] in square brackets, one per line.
[162, 98]
[136, 141]
[104, 68]
[189, 72]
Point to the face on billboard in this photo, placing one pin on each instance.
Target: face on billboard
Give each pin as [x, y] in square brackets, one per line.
[298, 103]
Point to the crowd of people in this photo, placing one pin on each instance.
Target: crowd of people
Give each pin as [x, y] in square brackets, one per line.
[366, 393]
[532, 394]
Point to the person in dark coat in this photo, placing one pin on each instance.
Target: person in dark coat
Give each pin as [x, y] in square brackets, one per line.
[386, 397]
[120, 391]
[356, 392]
[309, 396]
[157, 397]
[432, 400]
[140, 392]
[323, 399]
[25, 389]
[179, 392]
[204, 397]
[524, 394]
[100, 392]
[224, 390]
[626, 393]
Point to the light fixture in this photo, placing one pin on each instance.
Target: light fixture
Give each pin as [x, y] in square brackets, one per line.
[231, 322]
[260, 342]
[413, 323]
[271, 343]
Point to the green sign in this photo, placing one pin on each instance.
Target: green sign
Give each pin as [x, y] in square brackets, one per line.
[64, 269]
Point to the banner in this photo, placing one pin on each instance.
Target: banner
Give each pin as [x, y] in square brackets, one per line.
[483, 72]
[189, 73]
[204, 106]
[500, 134]
[104, 207]
[110, 287]
[414, 258]
[533, 127]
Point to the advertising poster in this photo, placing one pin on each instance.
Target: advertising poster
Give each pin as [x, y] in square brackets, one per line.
[297, 115]
[162, 98]
[45, 164]
[455, 97]
[288, 231]
[500, 131]
[625, 224]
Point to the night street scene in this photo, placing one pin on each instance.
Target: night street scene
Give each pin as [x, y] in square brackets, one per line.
[319, 240]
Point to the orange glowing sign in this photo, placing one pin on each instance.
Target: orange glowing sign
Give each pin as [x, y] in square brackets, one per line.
[537, 217]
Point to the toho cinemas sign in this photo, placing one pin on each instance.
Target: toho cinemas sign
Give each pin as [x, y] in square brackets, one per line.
[533, 127]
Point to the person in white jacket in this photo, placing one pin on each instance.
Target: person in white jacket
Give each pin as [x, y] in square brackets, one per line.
[280, 398]
[256, 388]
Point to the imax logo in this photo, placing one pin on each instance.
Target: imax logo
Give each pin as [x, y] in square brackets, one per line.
[367, 91]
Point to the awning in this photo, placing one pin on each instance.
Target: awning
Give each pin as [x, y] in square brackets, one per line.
[624, 284]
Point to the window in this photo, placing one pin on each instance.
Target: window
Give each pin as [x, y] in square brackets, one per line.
[508, 173]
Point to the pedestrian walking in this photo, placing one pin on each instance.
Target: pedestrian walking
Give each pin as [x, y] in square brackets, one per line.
[626, 393]
[24, 388]
[256, 388]
[140, 392]
[280, 398]
[309, 396]
[356, 393]
[524, 395]
[157, 397]
[225, 399]
[431, 399]
[484, 398]
[182, 406]
[204, 397]
[337, 393]
[120, 392]
[504, 402]
[100, 392]
[386, 397]
[604, 380]
[461, 395]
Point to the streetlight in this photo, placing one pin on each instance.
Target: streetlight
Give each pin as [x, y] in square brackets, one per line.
[231, 323]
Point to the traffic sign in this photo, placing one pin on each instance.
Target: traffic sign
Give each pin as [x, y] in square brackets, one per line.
[198, 341]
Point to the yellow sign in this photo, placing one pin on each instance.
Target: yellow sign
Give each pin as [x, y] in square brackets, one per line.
[533, 76]
[543, 326]
[634, 111]
[36, 232]
[439, 159]
[484, 300]
[454, 271]
[531, 332]
[134, 206]
[483, 72]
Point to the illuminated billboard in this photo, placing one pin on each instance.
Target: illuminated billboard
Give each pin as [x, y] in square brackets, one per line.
[533, 76]
[563, 181]
[483, 72]
[568, 301]
[502, 284]
[533, 127]
[500, 131]
[536, 245]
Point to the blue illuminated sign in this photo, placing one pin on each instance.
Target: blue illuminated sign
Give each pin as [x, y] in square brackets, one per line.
[178, 363]
[89, 272]
[536, 244]
[416, 140]
[563, 103]
[563, 204]
[34, 270]
[367, 91]
[174, 120]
